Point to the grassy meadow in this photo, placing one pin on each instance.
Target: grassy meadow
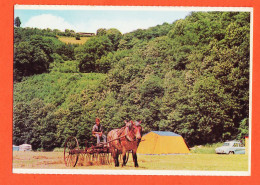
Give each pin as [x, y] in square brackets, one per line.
[201, 162]
[72, 40]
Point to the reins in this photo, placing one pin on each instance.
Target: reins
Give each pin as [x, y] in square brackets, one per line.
[116, 138]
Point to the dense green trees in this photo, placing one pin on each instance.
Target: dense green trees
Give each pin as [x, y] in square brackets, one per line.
[200, 63]
[190, 77]
[66, 51]
[89, 55]
[92, 51]
[50, 107]
[35, 50]
[34, 124]
[32, 57]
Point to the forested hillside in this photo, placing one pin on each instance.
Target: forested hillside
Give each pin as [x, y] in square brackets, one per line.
[190, 77]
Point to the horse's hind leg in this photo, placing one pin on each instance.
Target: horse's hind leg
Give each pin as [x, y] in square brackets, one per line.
[116, 160]
[124, 157]
[135, 158]
[115, 156]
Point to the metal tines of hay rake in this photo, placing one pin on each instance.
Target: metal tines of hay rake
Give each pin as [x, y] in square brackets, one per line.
[90, 159]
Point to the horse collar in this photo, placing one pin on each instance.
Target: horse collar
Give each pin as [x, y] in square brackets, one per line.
[125, 136]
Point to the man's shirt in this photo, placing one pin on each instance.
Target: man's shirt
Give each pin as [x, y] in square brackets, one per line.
[97, 128]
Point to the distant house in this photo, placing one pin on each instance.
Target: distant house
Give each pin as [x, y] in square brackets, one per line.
[86, 34]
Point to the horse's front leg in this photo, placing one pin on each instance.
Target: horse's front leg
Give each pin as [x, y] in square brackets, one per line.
[135, 158]
[116, 158]
[124, 156]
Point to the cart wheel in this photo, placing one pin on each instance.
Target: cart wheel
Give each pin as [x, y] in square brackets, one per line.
[71, 148]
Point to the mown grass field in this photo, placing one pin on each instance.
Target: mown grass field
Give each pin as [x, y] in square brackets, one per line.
[72, 40]
[201, 162]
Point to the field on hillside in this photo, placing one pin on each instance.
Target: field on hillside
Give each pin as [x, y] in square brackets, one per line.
[72, 40]
[202, 162]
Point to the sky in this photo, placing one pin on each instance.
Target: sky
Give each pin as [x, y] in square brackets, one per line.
[89, 19]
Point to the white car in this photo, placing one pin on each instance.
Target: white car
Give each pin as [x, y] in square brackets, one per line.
[231, 147]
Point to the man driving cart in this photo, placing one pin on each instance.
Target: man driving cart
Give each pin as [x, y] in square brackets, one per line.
[97, 131]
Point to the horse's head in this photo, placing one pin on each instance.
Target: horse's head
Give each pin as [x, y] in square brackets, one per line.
[134, 130]
[138, 130]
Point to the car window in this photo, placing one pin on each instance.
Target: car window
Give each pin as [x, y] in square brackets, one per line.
[235, 145]
[226, 144]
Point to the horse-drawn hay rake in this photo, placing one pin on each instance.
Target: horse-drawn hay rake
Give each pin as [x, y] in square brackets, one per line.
[99, 154]
[120, 143]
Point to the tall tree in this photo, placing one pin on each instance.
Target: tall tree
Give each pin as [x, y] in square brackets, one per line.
[101, 32]
[17, 22]
[115, 36]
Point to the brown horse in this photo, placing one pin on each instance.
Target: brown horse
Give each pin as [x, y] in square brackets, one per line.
[125, 139]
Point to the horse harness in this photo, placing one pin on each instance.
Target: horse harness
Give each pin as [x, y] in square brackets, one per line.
[119, 137]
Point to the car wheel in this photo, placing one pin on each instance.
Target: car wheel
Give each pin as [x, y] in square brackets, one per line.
[231, 152]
